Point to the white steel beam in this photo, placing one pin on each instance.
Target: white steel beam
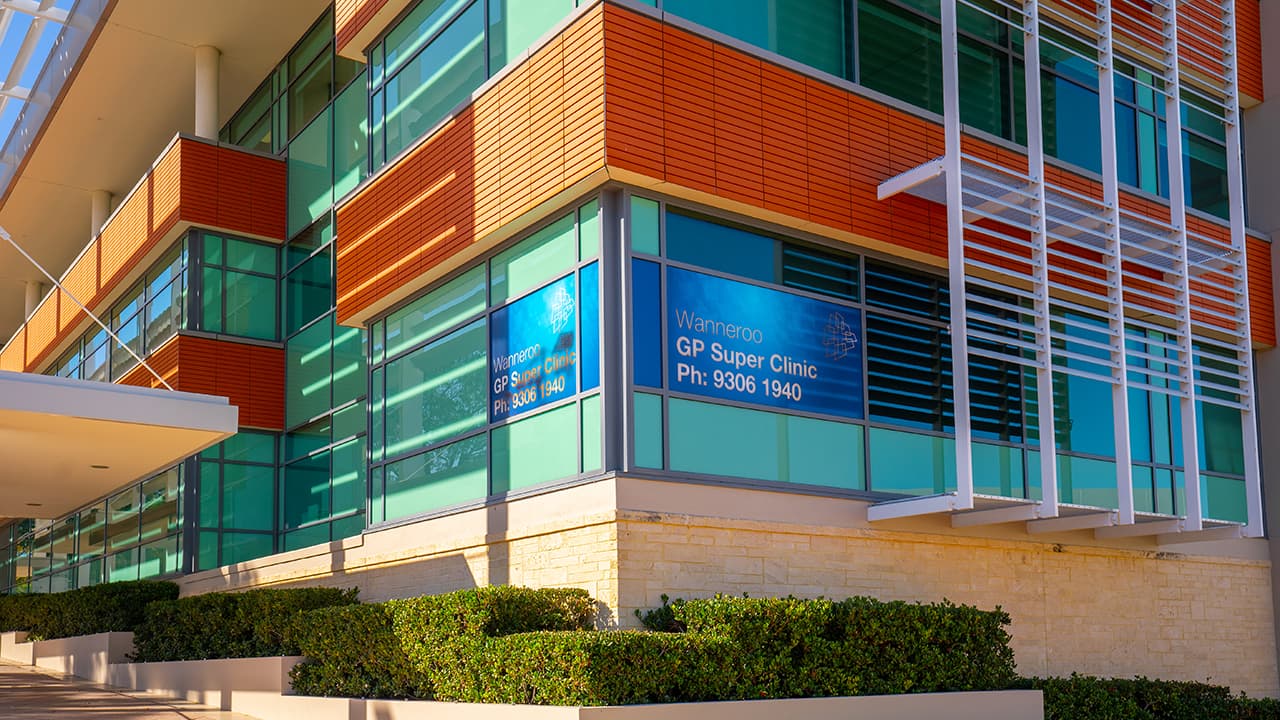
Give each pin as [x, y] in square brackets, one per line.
[1112, 258]
[1086, 521]
[996, 516]
[1217, 534]
[1155, 527]
[1239, 242]
[1178, 218]
[911, 507]
[1040, 259]
[955, 254]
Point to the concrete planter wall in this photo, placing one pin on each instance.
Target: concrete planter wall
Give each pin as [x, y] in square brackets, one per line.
[15, 648]
[86, 656]
[246, 685]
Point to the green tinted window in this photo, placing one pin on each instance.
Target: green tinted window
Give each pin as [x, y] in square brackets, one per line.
[250, 256]
[306, 490]
[911, 463]
[308, 291]
[308, 373]
[435, 312]
[515, 24]
[438, 391]
[446, 476]
[591, 438]
[248, 497]
[310, 173]
[242, 547]
[544, 255]
[809, 31]
[535, 450]
[644, 225]
[351, 133]
[348, 477]
[250, 306]
[249, 446]
[900, 54]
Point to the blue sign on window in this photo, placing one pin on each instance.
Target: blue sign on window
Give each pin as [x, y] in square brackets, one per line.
[736, 341]
[533, 350]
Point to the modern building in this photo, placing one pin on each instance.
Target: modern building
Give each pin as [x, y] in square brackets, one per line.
[676, 297]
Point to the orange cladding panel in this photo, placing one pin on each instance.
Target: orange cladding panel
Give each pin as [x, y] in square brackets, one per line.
[192, 182]
[13, 356]
[1262, 300]
[535, 133]
[1249, 47]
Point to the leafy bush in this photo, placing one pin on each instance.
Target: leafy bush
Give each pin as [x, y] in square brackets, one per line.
[1080, 697]
[228, 625]
[113, 607]
[353, 651]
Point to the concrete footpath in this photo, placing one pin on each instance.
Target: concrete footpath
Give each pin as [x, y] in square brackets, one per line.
[28, 692]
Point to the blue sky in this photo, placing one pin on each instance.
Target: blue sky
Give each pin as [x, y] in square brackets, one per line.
[9, 48]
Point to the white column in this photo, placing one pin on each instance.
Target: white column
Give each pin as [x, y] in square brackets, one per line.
[34, 292]
[207, 58]
[101, 209]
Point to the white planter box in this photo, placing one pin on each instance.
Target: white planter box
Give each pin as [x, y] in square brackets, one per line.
[15, 648]
[86, 656]
[244, 685]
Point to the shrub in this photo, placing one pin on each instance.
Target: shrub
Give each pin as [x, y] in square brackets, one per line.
[353, 651]
[113, 607]
[228, 625]
[1080, 697]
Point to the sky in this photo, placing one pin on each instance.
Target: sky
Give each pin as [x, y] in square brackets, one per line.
[9, 45]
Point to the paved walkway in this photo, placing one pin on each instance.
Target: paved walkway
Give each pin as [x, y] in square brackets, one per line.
[27, 692]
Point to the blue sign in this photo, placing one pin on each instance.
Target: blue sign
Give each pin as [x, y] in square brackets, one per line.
[533, 350]
[736, 341]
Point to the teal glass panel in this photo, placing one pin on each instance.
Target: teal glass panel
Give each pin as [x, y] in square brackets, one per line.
[644, 226]
[1140, 424]
[248, 497]
[377, 496]
[535, 450]
[435, 312]
[242, 547]
[515, 24]
[122, 519]
[1072, 128]
[548, 253]
[648, 430]
[431, 84]
[411, 33]
[1087, 481]
[251, 306]
[1144, 496]
[310, 173]
[123, 566]
[307, 50]
[911, 463]
[1083, 412]
[348, 526]
[90, 573]
[348, 477]
[438, 391]
[210, 485]
[591, 442]
[251, 256]
[351, 133]
[807, 31]
[212, 249]
[159, 510]
[1165, 492]
[1224, 498]
[349, 374]
[159, 558]
[1221, 439]
[93, 531]
[306, 490]
[997, 470]
[307, 377]
[722, 440]
[349, 421]
[62, 543]
[308, 241]
[720, 247]
[900, 53]
[249, 446]
[306, 537]
[1205, 170]
[377, 416]
[207, 552]
[308, 291]
[307, 439]
[211, 301]
[449, 475]
[589, 230]
[310, 93]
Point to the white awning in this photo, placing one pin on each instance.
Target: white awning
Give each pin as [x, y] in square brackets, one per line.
[65, 442]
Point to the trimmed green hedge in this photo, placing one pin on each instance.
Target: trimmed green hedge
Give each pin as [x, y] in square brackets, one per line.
[228, 625]
[517, 645]
[111, 607]
[1081, 697]
[405, 648]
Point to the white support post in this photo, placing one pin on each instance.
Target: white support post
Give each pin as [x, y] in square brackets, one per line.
[100, 210]
[1040, 259]
[33, 293]
[207, 60]
[1239, 242]
[1113, 260]
[955, 255]
[1178, 219]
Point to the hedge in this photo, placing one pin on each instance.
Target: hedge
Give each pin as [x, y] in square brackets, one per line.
[111, 607]
[1081, 697]
[516, 645]
[228, 625]
[405, 648]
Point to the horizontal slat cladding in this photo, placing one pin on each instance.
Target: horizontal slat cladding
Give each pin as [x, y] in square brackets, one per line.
[1249, 47]
[1262, 312]
[13, 357]
[187, 183]
[530, 136]
[165, 363]
[251, 377]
